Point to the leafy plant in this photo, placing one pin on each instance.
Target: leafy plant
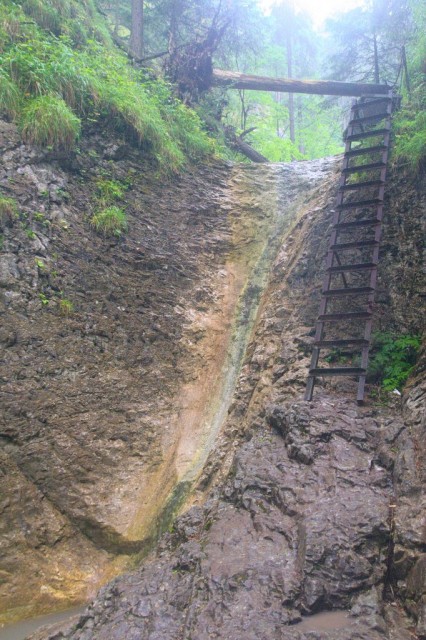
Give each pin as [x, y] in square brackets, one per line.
[110, 221]
[393, 359]
[48, 121]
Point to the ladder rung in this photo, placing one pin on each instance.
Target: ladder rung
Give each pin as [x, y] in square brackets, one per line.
[365, 167]
[347, 342]
[367, 222]
[360, 203]
[367, 134]
[358, 152]
[338, 371]
[359, 105]
[360, 266]
[360, 185]
[349, 291]
[377, 117]
[352, 315]
[357, 244]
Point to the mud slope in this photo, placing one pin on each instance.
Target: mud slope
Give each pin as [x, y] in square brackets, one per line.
[111, 407]
[302, 507]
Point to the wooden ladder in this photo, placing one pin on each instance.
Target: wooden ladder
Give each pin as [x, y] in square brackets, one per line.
[346, 307]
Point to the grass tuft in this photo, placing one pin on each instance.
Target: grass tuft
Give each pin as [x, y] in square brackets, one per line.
[8, 210]
[66, 307]
[45, 15]
[111, 221]
[10, 97]
[48, 121]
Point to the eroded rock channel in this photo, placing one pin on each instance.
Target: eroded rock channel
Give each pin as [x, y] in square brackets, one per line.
[178, 384]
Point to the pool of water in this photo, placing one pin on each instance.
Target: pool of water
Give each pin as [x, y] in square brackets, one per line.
[21, 630]
[325, 621]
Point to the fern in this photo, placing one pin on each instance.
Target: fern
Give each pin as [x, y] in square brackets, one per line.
[393, 359]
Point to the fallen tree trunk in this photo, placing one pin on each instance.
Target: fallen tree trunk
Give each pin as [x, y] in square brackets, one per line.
[236, 80]
[248, 151]
[237, 143]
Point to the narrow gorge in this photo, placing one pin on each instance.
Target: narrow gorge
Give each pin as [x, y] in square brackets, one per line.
[155, 440]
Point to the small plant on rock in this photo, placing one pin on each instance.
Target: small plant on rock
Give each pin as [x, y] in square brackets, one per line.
[111, 221]
[66, 307]
[109, 190]
[8, 210]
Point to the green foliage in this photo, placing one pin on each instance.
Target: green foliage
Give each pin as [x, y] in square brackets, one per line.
[40, 265]
[8, 210]
[47, 65]
[48, 121]
[410, 135]
[94, 81]
[111, 221]
[109, 190]
[393, 359]
[66, 307]
[10, 97]
[44, 14]
[410, 122]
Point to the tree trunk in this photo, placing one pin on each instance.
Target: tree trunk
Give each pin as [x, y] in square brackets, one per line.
[238, 144]
[248, 151]
[136, 36]
[290, 95]
[236, 80]
[300, 123]
[376, 61]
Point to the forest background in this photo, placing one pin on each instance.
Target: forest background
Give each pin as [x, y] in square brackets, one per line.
[70, 64]
[379, 41]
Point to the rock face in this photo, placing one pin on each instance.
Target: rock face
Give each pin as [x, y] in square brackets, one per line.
[119, 355]
[307, 519]
[290, 533]
[310, 507]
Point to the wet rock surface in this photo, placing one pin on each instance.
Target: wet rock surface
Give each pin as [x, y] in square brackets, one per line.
[302, 507]
[119, 354]
[284, 538]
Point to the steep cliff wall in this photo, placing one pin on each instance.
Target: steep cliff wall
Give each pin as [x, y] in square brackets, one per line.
[298, 507]
[120, 354]
[302, 507]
